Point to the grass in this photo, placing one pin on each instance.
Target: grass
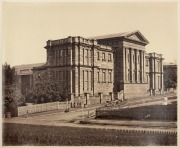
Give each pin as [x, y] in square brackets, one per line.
[19, 134]
[153, 112]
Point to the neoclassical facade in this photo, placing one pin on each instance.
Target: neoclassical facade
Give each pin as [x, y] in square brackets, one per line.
[130, 69]
[79, 66]
[103, 65]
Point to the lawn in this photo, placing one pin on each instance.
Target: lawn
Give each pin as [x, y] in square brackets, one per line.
[19, 134]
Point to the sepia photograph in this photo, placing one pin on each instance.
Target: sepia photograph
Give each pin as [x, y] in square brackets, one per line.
[100, 73]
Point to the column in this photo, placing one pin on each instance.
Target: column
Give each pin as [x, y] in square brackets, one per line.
[133, 64]
[144, 64]
[162, 77]
[141, 66]
[76, 81]
[136, 64]
[131, 70]
[124, 65]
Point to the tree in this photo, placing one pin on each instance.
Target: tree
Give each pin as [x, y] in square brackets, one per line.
[9, 76]
[46, 91]
[169, 83]
[12, 96]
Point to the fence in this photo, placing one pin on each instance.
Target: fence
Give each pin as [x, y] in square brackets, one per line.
[23, 110]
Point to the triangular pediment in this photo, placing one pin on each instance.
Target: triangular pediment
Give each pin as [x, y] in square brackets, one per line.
[136, 36]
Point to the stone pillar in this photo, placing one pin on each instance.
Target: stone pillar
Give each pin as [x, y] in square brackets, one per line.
[144, 71]
[133, 64]
[100, 97]
[76, 81]
[71, 98]
[141, 67]
[111, 95]
[136, 62]
[87, 98]
[131, 70]
[124, 65]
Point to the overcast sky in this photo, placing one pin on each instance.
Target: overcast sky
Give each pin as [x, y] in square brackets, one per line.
[27, 26]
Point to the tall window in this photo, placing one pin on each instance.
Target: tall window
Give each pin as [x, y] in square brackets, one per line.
[103, 58]
[98, 58]
[104, 77]
[57, 75]
[128, 76]
[83, 56]
[110, 77]
[83, 79]
[109, 57]
[60, 75]
[87, 80]
[147, 62]
[90, 79]
[60, 52]
[86, 56]
[98, 76]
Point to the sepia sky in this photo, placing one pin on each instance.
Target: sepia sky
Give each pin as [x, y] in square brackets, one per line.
[27, 26]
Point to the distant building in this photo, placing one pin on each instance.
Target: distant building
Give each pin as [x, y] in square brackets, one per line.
[25, 76]
[102, 65]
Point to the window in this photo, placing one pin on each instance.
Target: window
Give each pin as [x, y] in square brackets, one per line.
[98, 76]
[109, 57]
[60, 75]
[98, 56]
[147, 62]
[86, 56]
[83, 79]
[104, 77]
[67, 75]
[87, 79]
[103, 58]
[90, 78]
[83, 56]
[60, 52]
[57, 75]
[128, 76]
[110, 77]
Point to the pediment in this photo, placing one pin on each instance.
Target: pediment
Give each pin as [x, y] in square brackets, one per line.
[137, 36]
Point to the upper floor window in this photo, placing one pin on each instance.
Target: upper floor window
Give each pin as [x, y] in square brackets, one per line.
[103, 57]
[109, 57]
[98, 76]
[147, 62]
[104, 76]
[98, 57]
[110, 77]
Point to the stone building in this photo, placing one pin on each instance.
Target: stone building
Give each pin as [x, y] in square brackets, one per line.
[25, 76]
[130, 71]
[154, 73]
[80, 66]
[101, 66]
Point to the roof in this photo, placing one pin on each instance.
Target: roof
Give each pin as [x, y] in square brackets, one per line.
[109, 36]
[123, 34]
[27, 66]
